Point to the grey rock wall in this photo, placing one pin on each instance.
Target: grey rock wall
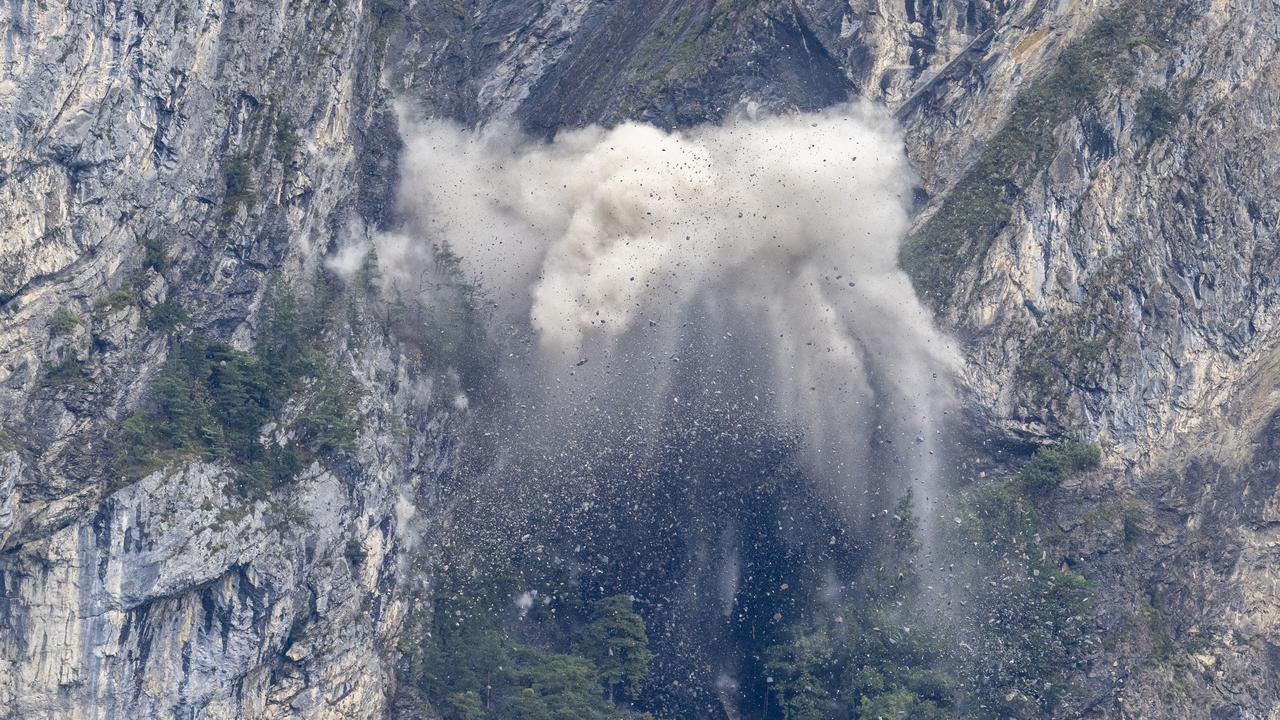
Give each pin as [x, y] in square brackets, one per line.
[171, 597]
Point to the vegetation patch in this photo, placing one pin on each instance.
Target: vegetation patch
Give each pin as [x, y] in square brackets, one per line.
[1085, 349]
[63, 322]
[680, 46]
[1134, 523]
[212, 400]
[155, 258]
[879, 656]
[237, 176]
[156, 255]
[129, 292]
[1032, 620]
[1156, 115]
[892, 656]
[487, 647]
[70, 372]
[354, 552]
[1050, 466]
[284, 145]
[450, 333]
[486, 651]
[165, 317]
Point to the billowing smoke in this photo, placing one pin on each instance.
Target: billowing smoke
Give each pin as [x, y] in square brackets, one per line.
[771, 241]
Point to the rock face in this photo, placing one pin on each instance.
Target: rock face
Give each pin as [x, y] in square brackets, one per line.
[1127, 291]
[207, 130]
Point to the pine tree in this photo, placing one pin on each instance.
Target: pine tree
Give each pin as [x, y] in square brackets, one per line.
[465, 706]
[617, 641]
[799, 672]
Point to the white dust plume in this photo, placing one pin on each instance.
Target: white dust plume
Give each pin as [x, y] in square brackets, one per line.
[776, 237]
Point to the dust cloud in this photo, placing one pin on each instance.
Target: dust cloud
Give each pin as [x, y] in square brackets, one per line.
[762, 250]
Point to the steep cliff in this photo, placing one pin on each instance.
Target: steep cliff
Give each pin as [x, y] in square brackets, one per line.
[1096, 222]
[1123, 285]
[160, 162]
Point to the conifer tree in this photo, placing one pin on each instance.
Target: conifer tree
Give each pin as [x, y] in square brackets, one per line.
[617, 641]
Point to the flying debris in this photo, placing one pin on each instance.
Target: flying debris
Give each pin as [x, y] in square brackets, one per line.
[711, 434]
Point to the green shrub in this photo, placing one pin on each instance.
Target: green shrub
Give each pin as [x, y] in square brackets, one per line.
[1050, 466]
[157, 256]
[464, 706]
[1133, 521]
[63, 322]
[127, 294]
[284, 145]
[326, 424]
[354, 552]
[452, 332]
[886, 657]
[802, 674]
[166, 316]
[469, 666]
[238, 181]
[68, 372]
[1156, 114]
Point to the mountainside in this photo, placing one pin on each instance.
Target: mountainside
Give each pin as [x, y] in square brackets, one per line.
[1096, 222]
